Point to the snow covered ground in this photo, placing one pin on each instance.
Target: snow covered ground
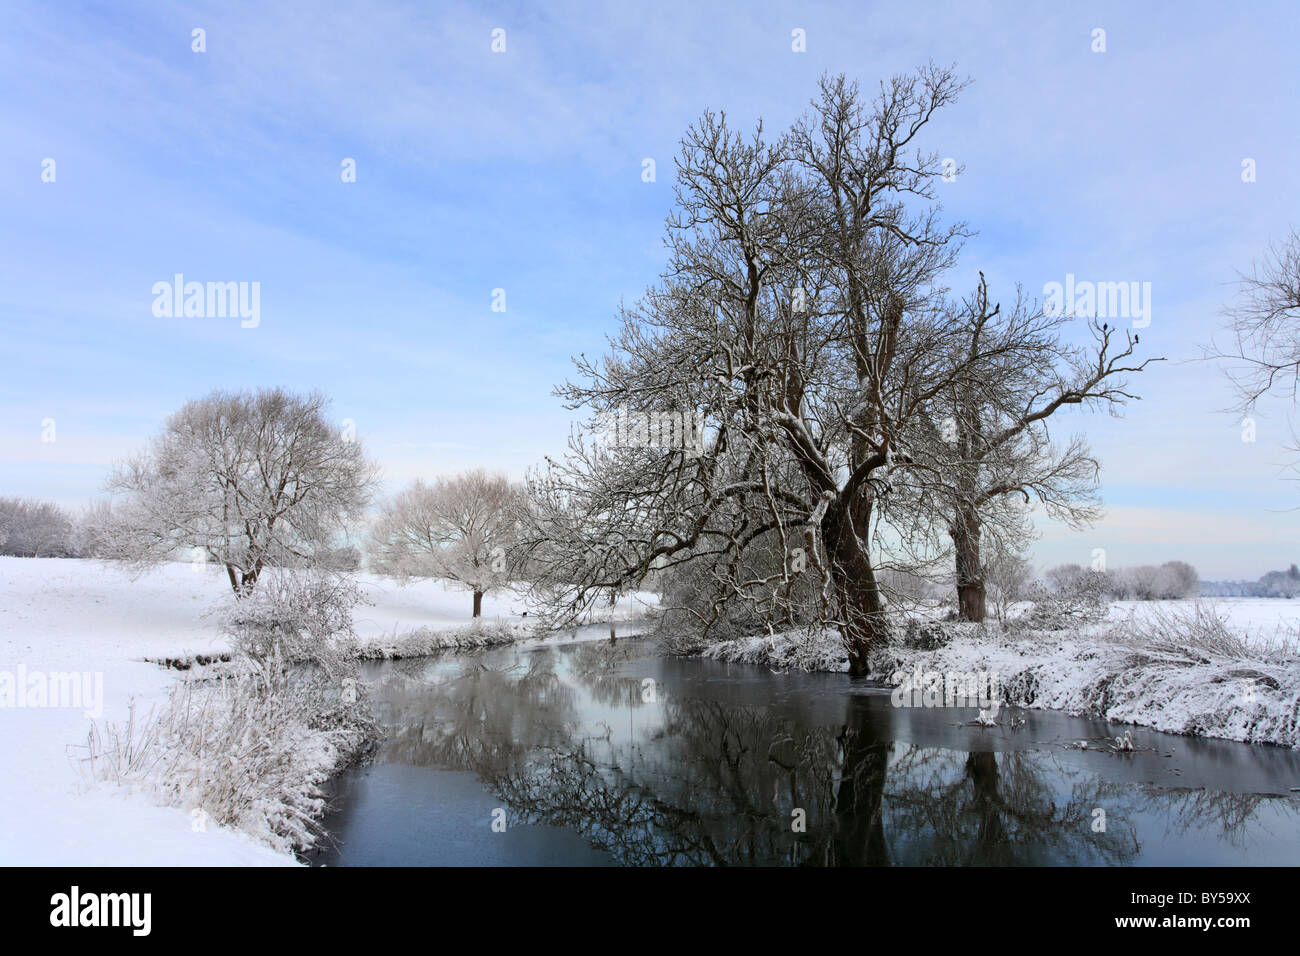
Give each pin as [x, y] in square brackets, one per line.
[73, 617]
[1259, 619]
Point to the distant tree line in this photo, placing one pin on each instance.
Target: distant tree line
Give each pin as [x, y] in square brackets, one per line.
[1170, 581]
[1274, 584]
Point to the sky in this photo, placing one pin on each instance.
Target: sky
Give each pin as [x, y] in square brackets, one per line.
[521, 171]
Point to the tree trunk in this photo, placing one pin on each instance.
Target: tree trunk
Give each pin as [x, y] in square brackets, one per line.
[861, 608]
[970, 571]
[478, 603]
[247, 579]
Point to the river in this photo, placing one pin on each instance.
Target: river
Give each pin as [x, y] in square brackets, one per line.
[598, 753]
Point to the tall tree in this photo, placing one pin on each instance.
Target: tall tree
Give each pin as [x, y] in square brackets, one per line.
[799, 316]
[996, 450]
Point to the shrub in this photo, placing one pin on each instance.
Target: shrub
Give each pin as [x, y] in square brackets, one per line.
[250, 748]
[298, 617]
[1078, 600]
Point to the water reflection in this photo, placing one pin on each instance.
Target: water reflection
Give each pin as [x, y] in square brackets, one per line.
[659, 761]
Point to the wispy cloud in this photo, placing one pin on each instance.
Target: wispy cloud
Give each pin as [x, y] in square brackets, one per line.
[521, 171]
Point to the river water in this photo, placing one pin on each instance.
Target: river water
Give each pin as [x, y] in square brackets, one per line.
[598, 753]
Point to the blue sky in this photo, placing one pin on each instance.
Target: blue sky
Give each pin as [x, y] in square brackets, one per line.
[522, 171]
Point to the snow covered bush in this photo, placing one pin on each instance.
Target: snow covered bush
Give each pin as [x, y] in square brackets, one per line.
[247, 744]
[298, 617]
[1199, 630]
[806, 649]
[248, 749]
[1186, 672]
[1076, 601]
[929, 635]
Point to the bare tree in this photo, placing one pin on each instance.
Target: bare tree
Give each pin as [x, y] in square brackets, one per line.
[461, 529]
[1010, 578]
[996, 441]
[251, 479]
[799, 316]
[1265, 327]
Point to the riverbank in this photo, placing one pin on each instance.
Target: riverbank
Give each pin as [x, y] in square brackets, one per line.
[1180, 670]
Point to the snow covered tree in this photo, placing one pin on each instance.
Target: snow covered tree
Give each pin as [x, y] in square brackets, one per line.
[799, 318]
[1180, 580]
[461, 529]
[34, 529]
[251, 479]
[93, 530]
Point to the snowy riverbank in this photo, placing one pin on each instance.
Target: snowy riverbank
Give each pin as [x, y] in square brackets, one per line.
[65, 619]
[1125, 669]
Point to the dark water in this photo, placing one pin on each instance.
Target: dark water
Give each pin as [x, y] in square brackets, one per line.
[584, 763]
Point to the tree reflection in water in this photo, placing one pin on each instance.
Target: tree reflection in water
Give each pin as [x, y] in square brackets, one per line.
[564, 737]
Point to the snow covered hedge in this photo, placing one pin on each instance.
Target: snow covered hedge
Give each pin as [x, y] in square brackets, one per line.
[809, 650]
[822, 649]
[248, 742]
